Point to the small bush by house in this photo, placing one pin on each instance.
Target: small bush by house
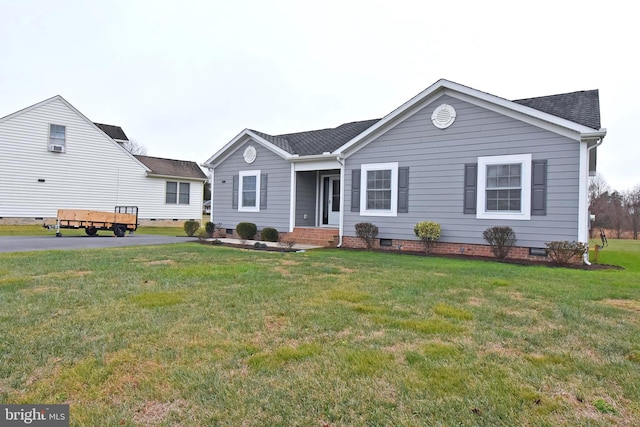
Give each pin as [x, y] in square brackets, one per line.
[269, 234]
[563, 252]
[210, 228]
[429, 232]
[501, 239]
[367, 232]
[246, 230]
[191, 227]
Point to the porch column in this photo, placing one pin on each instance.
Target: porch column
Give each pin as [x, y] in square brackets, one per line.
[292, 199]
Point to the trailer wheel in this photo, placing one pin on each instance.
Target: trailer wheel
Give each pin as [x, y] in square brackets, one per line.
[91, 231]
[119, 230]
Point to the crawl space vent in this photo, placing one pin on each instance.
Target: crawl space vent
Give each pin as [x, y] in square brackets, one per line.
[443, 116]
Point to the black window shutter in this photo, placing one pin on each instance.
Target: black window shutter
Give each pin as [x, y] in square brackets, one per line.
[355, 190]
[539, 187]
[234, 192]
[403, 190]
[470, 187]
[263, 191]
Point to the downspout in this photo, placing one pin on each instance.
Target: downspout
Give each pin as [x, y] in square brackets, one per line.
[341, 225]
[585, 257]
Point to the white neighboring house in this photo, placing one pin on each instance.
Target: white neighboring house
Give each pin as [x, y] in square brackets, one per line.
[53, 157]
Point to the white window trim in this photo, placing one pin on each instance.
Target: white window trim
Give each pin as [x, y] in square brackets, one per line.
[525, 211]
[393, 166]
[178, 185]
[255, 208]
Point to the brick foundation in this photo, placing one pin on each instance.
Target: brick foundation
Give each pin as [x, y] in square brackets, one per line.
[441, 248]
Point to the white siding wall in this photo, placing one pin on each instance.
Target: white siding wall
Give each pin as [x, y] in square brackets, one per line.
[94, 172]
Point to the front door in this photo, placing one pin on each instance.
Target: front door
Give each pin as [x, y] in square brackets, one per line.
[331, 200]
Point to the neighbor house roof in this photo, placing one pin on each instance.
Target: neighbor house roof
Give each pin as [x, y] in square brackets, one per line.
[115, 132]
[172, 168]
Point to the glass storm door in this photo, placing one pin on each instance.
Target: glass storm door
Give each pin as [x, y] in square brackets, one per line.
[331, 200]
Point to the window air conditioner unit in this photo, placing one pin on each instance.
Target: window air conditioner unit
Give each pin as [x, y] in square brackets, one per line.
[56, 148]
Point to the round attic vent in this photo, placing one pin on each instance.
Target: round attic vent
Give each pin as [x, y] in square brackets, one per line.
[443, 116]
[250, 154]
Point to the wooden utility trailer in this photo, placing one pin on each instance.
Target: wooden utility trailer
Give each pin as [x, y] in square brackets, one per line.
[121, 220]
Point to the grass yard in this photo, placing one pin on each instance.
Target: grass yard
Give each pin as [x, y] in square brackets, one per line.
[189, 334]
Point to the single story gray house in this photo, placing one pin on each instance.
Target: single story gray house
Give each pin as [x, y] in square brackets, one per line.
[455, 155]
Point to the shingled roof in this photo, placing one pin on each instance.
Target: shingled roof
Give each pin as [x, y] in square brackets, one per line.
[318, 141]
[115, 132]
[581, 107]
[170, 167]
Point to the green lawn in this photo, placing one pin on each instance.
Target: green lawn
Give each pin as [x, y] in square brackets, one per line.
[189, 334]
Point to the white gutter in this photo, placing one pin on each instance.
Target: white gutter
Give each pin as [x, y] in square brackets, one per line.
[600, 135]
[341, 223]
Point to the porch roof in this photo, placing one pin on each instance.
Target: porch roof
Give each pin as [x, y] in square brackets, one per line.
[318, 141]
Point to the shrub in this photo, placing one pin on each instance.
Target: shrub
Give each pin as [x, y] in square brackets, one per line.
[191, 227]
[210, 228]
[428, 232]
[367, 232]
[501, 240]
[246, 230]
[203, 235]
[269, 234]
[286, 243]
[562, 252]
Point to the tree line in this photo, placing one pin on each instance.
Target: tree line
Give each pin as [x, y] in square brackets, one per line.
[616, 211]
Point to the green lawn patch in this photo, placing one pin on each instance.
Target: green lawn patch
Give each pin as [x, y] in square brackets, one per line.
[191, 334]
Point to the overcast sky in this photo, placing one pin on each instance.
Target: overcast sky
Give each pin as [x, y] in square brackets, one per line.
[183, 78]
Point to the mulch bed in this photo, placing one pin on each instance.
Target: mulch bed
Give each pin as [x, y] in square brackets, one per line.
[593, 266]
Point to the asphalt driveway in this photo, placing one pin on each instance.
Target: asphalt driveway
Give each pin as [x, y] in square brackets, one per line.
[45, 243]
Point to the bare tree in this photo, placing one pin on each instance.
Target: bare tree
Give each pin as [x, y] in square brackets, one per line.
[135, 148]
[632, 205]
[597, 187]
[599, 202]
[616, 213]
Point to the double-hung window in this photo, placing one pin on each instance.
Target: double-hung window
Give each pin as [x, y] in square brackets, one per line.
[249, 191]
[56, 136]
[177, 193]
[504, 187]
[379, 195]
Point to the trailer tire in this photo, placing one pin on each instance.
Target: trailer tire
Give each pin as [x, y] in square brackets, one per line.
[119, 230]
[91, 231]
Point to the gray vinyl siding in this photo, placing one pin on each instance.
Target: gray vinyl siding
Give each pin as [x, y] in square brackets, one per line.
[276, 214]
[306, 186]
[436, 159]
